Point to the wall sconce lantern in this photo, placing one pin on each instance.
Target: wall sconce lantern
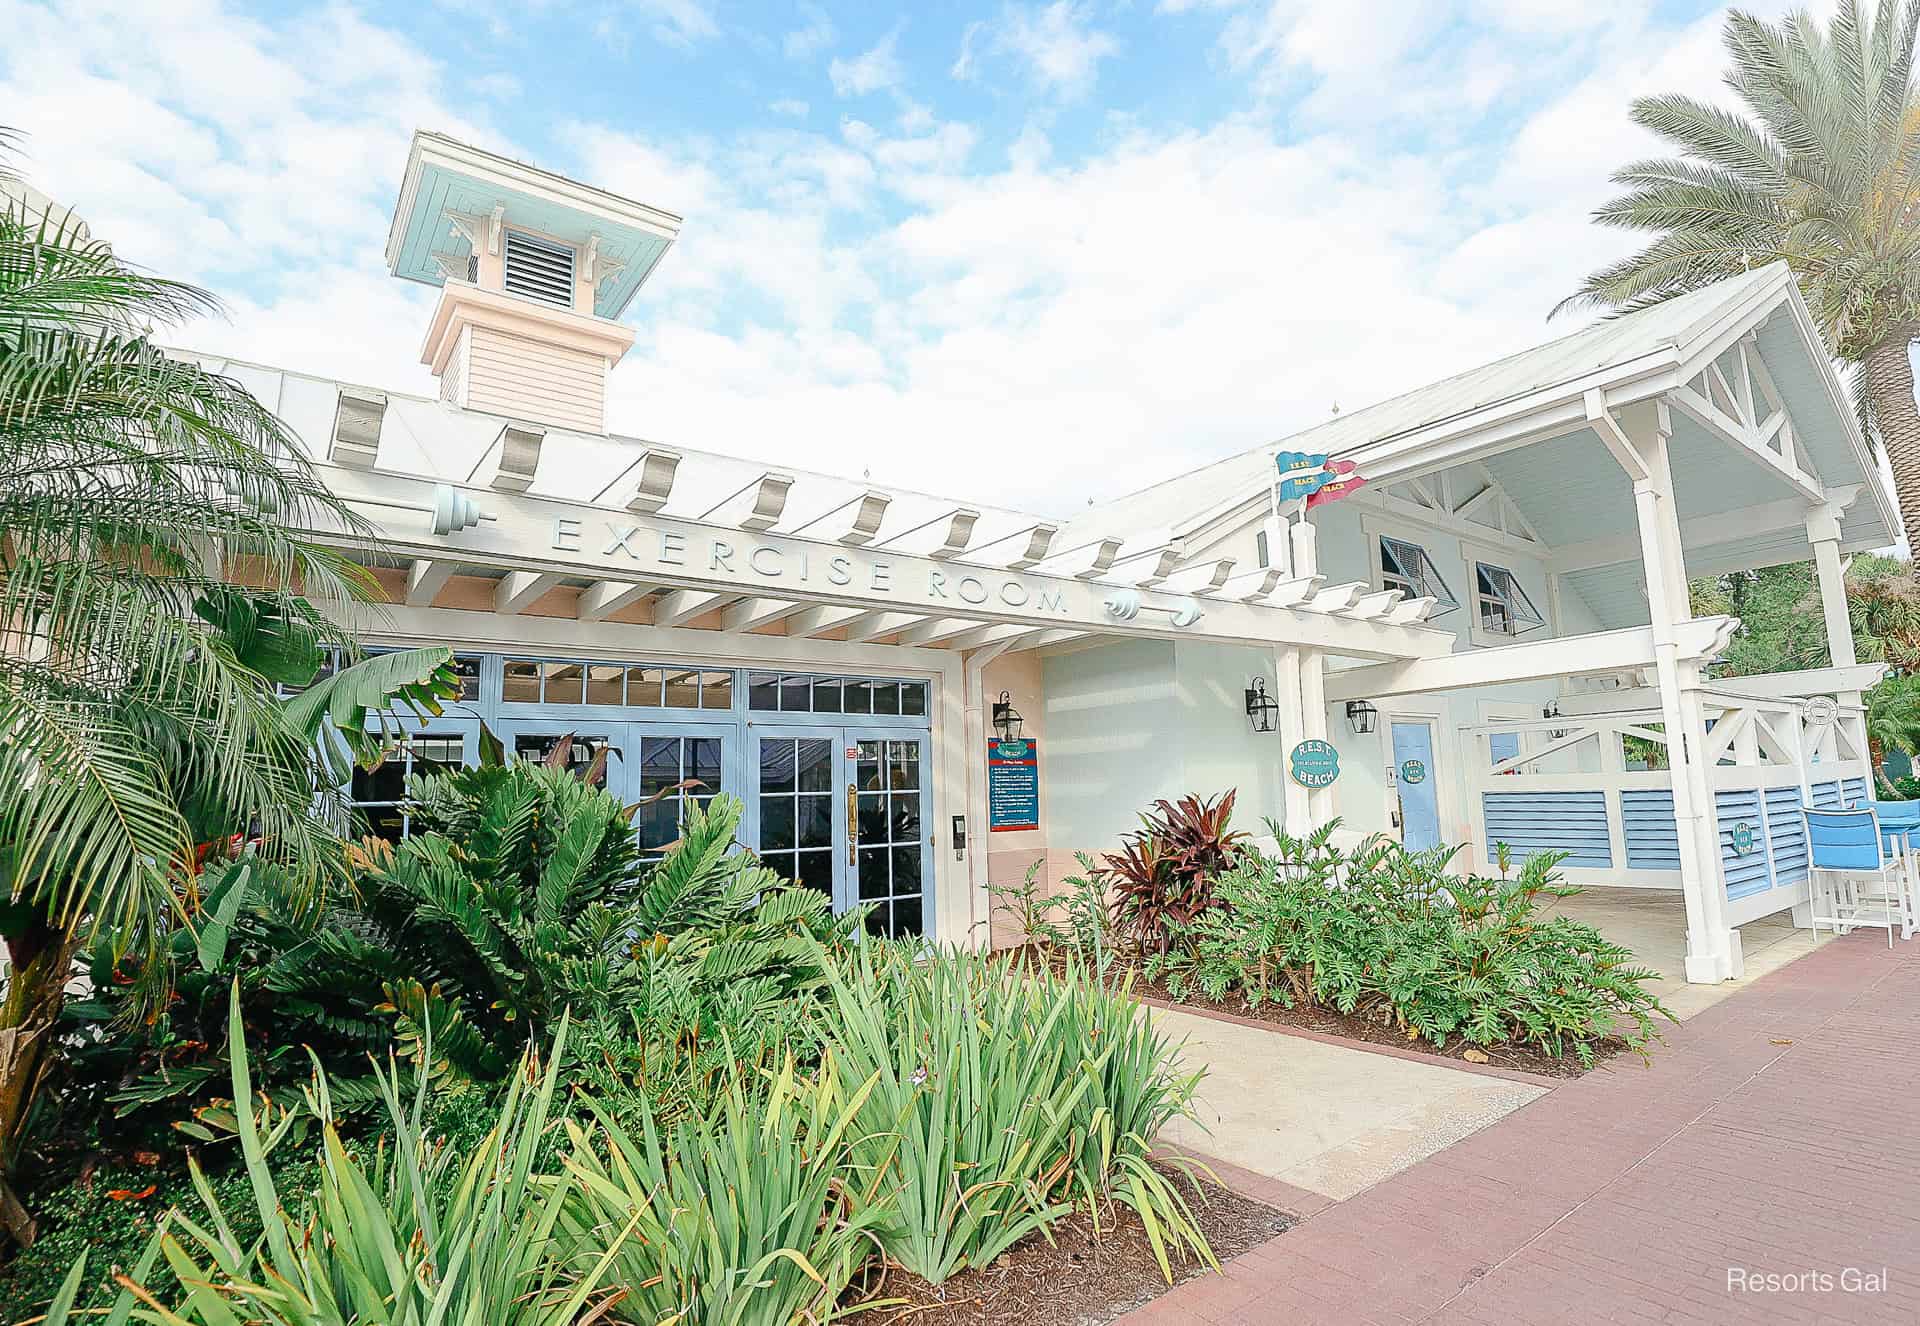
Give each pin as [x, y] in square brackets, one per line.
[1262, 710]
[1006, 719]
[1361, 716]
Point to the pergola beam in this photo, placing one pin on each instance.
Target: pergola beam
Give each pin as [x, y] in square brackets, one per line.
[518, 589]
[603, 598]
[426, 577]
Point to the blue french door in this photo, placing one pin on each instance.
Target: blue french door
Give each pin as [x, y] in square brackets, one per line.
[847, 811]
[1415, 779]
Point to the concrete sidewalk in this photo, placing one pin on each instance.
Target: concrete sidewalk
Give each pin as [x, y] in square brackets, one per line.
[1332, 1119]
[1777, 1134]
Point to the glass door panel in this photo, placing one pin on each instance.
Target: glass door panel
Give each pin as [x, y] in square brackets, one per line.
[890, 842]
[796, 816]
[537, 740]
[380, 793]
[680, 769]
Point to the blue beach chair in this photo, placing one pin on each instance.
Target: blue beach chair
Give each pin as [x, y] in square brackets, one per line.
[1862, 874]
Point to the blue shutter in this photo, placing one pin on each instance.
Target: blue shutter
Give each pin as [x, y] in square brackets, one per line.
[1786, 835]
[1745, 874]
[1653, 837]
[1533, 822]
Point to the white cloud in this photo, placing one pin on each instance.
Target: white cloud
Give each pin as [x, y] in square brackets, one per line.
[788, 106]
[812, 37]
[1010, 317]
[1055, 46]
[677, 22]
[874, 70]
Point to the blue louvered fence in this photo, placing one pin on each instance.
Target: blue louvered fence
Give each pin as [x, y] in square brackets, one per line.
[1770, 853]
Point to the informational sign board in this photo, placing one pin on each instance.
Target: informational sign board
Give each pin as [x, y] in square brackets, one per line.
[1413, 771]
[1013, 785]
[1315, 763]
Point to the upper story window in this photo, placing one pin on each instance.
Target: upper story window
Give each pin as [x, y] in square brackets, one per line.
[632, 685]
[539, 269]
[1406, 567]
[1500, 604]
[1262, 554]
[808, 694]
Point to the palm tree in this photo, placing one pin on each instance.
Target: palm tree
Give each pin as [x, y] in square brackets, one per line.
[152, 595]
[1822, 173]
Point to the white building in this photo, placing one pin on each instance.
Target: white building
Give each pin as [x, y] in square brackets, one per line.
[1507, 594]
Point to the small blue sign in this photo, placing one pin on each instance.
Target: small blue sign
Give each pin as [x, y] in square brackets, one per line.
[1315, 763]
[1413, 771]
[1013, 785]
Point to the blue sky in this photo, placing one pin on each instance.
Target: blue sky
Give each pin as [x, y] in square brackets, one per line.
[1025, 253]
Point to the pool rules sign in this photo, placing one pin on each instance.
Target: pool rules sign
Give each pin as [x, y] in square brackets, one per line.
[1013, 785]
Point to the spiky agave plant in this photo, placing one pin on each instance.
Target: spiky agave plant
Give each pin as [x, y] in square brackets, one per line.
[408, 1233]
[998, 1103]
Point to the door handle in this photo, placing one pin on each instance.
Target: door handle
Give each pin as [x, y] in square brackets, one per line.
[853, 823]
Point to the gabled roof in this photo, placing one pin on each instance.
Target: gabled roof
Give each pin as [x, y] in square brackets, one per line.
[1625, 354]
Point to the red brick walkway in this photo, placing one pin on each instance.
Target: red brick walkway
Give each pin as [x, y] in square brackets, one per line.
[1627, 1195]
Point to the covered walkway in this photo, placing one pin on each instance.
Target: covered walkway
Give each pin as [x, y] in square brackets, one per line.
[1772, 1135]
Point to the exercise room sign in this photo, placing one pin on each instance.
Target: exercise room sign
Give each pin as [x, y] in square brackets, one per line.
[1013, 785]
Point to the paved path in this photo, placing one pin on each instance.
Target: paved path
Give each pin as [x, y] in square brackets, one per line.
[1778, 1131]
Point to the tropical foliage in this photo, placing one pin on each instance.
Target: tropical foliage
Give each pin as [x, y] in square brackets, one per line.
[989, 1105]
[1391, 935]
[1821, 172]
[411, 1233]
[155, 598]
[1161, 877]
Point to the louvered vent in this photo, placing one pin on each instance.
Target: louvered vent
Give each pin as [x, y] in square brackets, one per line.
[539, 270]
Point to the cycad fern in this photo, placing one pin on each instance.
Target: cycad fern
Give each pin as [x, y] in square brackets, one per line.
[522, 895]
[1822, 172]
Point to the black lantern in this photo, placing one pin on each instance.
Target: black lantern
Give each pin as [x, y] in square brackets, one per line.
[1006, 719]
[1360, 717]
[1261, 709]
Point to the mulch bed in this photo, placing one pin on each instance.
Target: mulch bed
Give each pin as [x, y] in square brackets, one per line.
[1077, 1280]
[1355, 1027]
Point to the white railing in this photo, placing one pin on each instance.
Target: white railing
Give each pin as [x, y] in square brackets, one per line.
[1597, 785]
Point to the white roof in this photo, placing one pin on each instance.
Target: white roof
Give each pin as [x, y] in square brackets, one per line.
[1613, 347]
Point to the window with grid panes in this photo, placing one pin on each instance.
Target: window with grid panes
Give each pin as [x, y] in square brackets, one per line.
[679, 772]
[380, 794]
[891, 856]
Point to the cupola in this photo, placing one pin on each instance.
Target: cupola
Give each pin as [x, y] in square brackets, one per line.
[535, 271]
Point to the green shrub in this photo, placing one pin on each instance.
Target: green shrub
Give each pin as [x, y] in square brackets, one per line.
[738, 1216]
[408, 1233]
[1388, 933]
[995, 1103]
[522, 893]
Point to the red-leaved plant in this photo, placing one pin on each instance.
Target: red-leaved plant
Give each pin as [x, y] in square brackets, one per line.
[1163, 872]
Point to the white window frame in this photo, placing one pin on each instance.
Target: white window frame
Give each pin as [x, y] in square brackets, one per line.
[1374, 529]
[1474, 558]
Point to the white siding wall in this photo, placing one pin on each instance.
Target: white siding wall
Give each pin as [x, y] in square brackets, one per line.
[1112, 740]
[1130, 722]
[536, 381]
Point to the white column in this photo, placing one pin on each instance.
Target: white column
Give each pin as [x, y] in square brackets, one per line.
[974, 870]
[1295, 801]
[1823, 532]
[1713, 948]
[1313, 706]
